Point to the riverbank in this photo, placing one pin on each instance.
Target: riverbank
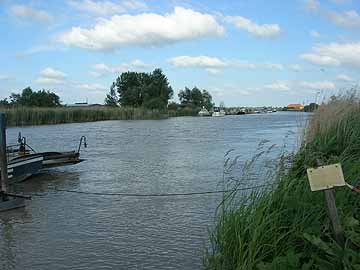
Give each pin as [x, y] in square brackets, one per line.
[22, 116]
[286, 226]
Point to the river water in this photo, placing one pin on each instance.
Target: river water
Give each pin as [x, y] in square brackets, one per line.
[61, 230]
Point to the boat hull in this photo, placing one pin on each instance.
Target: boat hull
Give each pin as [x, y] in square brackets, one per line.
[218, 114]
[12, 204]
[21, 168]
[56, 159]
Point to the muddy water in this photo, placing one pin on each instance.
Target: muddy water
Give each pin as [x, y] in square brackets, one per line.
[60, 230]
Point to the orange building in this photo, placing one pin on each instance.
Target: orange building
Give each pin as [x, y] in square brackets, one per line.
[295, 107]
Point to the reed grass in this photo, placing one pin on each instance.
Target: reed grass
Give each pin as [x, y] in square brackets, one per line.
[21, 116]
[286, 226]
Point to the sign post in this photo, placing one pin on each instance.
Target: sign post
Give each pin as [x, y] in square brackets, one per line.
[326, 178]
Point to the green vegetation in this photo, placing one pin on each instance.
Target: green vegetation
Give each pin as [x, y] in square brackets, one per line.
[311, 107]
[29, 98]
[139, 89]
[21, 116]
[196, 98]
[286, 226]
[133, 95]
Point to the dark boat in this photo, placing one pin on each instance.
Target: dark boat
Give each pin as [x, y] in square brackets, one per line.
[20, 168]
[54, 159]
[24, 161]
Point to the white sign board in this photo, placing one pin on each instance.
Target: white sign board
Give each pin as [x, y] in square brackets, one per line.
[326, 177]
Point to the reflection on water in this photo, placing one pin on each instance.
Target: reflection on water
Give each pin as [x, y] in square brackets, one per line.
[60, 230]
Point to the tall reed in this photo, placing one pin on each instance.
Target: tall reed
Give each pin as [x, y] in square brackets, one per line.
[286, 226]
[21, 116]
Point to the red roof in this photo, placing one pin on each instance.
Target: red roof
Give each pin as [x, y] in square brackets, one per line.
[297, 106]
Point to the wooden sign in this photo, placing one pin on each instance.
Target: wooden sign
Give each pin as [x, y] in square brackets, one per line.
[325, 177]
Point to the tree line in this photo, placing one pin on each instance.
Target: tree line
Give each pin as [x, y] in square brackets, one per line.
[130, 89]
[153, 91]
[30, 98]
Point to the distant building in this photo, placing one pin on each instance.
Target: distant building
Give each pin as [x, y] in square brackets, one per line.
[85, 104]
[295, 107]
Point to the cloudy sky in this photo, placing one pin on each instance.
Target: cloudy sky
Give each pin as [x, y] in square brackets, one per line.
[245, 52]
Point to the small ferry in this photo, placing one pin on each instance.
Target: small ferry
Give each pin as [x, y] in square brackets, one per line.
[24, 161]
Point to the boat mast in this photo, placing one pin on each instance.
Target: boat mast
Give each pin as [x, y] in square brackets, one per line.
[3, 159]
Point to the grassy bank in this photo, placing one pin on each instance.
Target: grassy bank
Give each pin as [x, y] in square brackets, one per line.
[286, 226]
[38, 116]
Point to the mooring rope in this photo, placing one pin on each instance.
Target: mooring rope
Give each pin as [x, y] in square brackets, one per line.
[157, 194]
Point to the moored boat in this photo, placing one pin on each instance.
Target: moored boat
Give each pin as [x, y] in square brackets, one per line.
[204, 112]
[24, 161]
[22, 167]
[218, 112]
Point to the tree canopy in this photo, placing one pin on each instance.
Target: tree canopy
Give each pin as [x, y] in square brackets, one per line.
[195, 97]
[311, 107]
[139, 89]
[30, 98]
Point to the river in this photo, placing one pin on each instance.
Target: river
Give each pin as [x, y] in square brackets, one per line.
[61, 230]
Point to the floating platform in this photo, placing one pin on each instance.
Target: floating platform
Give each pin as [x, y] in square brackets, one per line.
[12, 203]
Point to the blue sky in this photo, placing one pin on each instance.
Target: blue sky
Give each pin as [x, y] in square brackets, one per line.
[245, 53]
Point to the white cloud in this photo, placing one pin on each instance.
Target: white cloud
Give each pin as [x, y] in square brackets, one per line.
[296, 67]
[258, 30]
[314, 33]
[214, 64]
[322, 60]
[104, 8]
[324, 85]
[101, 69]
[349, 19]
[51, 76]
[247, 65]
[334, 54]
[198, 61]
[146, 29]
[92, 87]
[299, 86]
[52, 73]
[27, 12]
[139, 64]
[48, 81]
[344, 78]
[278, 85]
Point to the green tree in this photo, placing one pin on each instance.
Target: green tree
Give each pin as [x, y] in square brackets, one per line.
[26, 97]
[311, 107]
[129, 86]
[157, 90]
[195, 98]
[4, 102]
[207, 100]
[30, 98]
[111, 99]
[150, 90]
[185, 96]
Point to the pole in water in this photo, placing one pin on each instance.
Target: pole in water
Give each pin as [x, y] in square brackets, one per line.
[5, 202]
[3, 159]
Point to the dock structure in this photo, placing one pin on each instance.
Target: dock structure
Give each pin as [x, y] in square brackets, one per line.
[7, 201]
